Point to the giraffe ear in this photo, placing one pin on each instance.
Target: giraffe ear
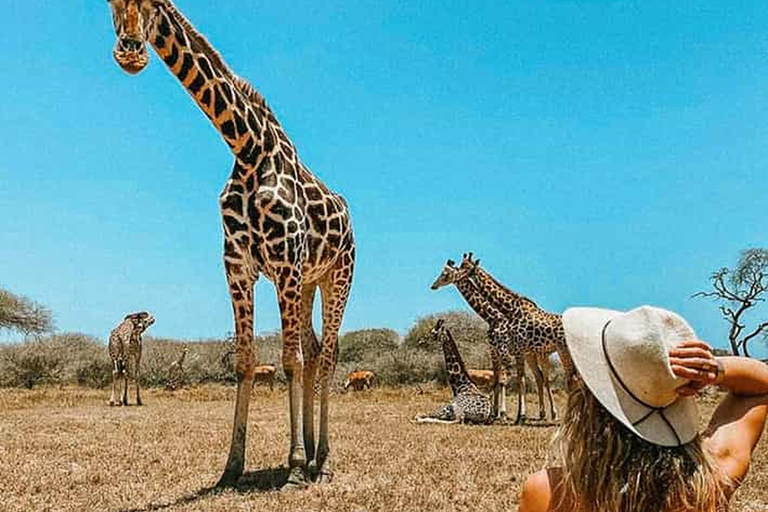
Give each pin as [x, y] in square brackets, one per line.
[450, 263]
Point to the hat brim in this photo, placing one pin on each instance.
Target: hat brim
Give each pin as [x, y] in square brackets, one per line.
[677, 425]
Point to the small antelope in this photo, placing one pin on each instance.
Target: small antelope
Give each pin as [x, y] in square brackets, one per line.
[265, 374]
[482, 378]
[359, 380]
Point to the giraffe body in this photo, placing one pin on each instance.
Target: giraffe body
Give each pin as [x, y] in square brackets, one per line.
[538, 332]
[279, 221]
[469, 404]
[124, 349]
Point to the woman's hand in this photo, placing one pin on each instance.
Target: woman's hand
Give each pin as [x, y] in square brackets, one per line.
[694, 360]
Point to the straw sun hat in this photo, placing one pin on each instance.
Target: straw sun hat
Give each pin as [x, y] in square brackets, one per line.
[623, 359]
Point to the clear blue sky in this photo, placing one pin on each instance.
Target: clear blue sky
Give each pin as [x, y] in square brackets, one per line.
[606, 153]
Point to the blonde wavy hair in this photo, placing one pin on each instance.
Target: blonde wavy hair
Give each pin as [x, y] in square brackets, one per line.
[607, 468]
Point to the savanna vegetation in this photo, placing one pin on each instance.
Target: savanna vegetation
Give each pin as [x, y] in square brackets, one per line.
[77, 359]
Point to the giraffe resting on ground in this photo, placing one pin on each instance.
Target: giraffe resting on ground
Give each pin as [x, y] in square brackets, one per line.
[537, 331]
[125, 352]
[469, 404]
[279, 220]
[176, 371]
[504, 349]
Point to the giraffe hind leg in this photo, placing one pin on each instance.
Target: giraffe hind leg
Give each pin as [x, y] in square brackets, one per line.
[241, 289]
[334, 292]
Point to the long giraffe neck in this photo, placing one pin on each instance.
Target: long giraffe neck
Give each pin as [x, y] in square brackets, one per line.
[508, 302]
[478, 302]
[234, 107]
[458, 378]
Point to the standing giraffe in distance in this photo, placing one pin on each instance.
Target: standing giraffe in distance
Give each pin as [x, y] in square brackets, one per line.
[125, 352]
[500, 337]
[469, 404]
[539, 332]
[279, 220]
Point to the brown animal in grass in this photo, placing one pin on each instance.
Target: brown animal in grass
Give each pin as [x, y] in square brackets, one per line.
[265, 374]
[482, 378]
[359, 380]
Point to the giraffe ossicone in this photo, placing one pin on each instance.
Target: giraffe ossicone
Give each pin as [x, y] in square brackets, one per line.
[279, 220]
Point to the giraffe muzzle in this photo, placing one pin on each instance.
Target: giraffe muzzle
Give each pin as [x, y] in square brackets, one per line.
[131, 54]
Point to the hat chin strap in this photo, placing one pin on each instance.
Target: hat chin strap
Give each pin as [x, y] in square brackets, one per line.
[652, 409]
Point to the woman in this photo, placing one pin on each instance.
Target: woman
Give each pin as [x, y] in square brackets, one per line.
[629, 441]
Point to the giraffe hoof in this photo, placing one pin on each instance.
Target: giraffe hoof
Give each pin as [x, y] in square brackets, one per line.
[324, 477]
[296, 480]
[227, 480]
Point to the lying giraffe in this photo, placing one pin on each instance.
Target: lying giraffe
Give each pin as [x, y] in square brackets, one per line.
[469, 404]
[279, 221]
[125, 352]
[176, 371]
[500, 337]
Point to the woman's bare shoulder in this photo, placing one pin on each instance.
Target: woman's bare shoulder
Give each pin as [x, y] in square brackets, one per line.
[543, 492]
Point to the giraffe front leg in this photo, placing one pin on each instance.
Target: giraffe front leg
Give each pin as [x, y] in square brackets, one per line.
[538, 375]
[520, 364]
[115, 378]
[241, 287]
[310, 350]
[497, 379]
[124, 387]
[288, 297]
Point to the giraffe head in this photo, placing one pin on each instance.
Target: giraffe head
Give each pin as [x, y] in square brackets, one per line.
[434, 333]
[133, 21]
[450, 275]
[141, 321]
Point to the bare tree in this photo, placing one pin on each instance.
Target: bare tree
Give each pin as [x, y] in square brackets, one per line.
[740, 290]
[18, 313]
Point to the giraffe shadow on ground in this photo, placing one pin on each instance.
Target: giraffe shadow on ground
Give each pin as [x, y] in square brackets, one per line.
[264, 480]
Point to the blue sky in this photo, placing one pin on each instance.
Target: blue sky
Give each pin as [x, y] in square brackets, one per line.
[597, 152]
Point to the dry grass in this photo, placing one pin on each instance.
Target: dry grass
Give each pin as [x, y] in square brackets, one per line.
[65, 450]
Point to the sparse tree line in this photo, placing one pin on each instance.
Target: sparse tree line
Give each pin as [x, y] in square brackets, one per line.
[77, 359]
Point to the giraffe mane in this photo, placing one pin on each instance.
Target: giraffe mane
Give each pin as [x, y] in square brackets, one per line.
[505, 288]
[199, 40]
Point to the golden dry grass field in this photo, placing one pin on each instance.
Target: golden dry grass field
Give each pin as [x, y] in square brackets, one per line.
[66, 450]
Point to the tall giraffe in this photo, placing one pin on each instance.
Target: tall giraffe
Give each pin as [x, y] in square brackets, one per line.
[500, 338]
[469, 404]
[279, 220]
[536, 330]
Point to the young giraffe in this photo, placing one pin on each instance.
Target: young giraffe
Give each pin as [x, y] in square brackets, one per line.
[279, 220]
[500, 337]
[125, 352]
[537, 331]
[469, 404]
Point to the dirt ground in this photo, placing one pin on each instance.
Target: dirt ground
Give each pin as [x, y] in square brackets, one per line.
[66, 450]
